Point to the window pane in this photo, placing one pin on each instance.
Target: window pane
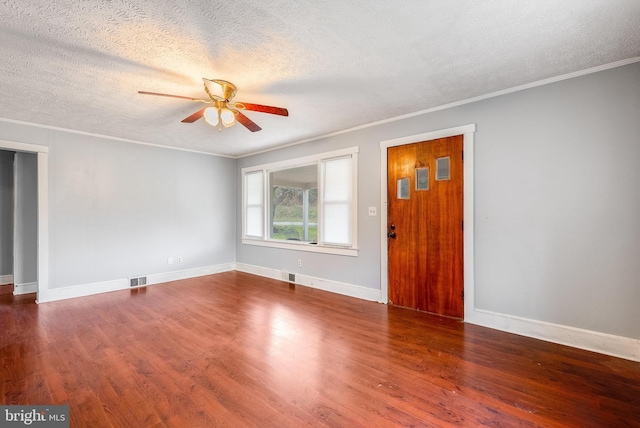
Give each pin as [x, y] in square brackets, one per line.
[403, 188]
[287, 213]
[443, 168]
[337, 201]
[254, 204]
[337, 179]
[254, 221]
[254, 188]
[422, 178]
[294, 203]
[312, 231]
[337, 217]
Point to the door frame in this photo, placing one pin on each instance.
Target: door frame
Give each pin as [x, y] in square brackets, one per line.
[43, 207]
[467, 131]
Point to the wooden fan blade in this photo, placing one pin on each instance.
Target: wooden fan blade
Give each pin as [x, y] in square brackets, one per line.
[173, 96]
[248, 123]
[263, 109]
[195, 116]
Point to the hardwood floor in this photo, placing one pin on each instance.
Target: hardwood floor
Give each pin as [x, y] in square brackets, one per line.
[234, 350]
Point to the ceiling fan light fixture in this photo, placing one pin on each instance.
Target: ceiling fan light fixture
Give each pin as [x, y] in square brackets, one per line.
[211, 116]
[220, 93]
[227, 117]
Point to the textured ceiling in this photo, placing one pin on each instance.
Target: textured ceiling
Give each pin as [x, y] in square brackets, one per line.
[334, 64]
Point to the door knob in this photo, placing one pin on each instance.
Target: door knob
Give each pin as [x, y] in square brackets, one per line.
[391, 235]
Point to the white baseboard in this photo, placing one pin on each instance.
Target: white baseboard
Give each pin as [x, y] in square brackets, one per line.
[6, 279]
[159, 278]
[260, 271]
[62, 293]
[608, 344]
[31, 287]
[351, 290]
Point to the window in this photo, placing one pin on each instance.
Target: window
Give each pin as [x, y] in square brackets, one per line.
[336, 200]
[306, 204]
[443, 168]
[294, 204]
[254, 205]
[422, 178]
[403, 188]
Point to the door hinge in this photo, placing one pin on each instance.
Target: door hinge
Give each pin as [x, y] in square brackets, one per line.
[462, 225]
[462, 294]
[463, 155]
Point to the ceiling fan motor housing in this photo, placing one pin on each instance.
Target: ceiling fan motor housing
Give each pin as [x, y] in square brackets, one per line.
[228, 89]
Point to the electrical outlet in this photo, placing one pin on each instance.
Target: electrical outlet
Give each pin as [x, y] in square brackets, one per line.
[179, 259]
[299, 262]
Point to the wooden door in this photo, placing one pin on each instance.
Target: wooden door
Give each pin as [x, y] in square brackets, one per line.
[425, 226]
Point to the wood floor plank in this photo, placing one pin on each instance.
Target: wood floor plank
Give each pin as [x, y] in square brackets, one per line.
[234, 349]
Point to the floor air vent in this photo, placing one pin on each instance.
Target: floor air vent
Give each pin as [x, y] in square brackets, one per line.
[289, 277]
[138, 281]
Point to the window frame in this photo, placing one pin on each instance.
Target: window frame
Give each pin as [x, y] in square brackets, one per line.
[319, 247]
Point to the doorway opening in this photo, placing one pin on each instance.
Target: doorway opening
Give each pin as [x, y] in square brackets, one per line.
[39, 156]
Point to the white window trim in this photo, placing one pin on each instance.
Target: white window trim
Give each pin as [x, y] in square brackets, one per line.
[265, 241]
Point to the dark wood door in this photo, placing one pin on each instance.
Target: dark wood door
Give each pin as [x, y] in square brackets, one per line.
[425, 245]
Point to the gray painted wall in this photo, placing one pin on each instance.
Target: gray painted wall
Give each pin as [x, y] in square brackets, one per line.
[26, 224]
[118, 210]
[556, 202]
[6, 212]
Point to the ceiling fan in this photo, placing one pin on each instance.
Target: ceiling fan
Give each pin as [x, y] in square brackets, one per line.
[223, 112]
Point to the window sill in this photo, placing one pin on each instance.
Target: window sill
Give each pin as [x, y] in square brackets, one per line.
[302, 246]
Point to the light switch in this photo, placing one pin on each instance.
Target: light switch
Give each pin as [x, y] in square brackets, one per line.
[372, 211]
